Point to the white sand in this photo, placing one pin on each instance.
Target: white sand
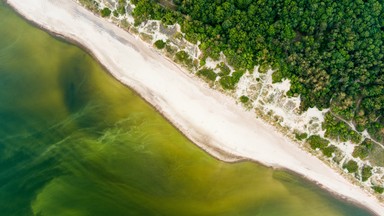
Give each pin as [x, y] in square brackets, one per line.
[210, 119]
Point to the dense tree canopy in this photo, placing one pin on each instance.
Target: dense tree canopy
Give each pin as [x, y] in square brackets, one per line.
[332, 51]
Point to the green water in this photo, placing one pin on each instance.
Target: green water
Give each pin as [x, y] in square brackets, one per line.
[74, 141]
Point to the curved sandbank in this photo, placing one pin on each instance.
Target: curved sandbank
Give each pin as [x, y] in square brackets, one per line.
[210, 119]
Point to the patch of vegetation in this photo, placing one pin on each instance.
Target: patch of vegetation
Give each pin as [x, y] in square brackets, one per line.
[376, 155]
[183, 58]
[366, 172]
[229, 82]
[316, 142]
[224, 69]
[90, 4]
[171, 50]
[263, 68]
[105, 12]
[149, 9]
[236, 75]
[351, 166]
[146, 37]
[121, 9]
[115, 13]
[363, 150]
[378, 189]
[226, 82]
[301, 136]
[339, 130]
[160, 44]
[203, 62]
[244, 99]
[329, 150]
[277, 76]
[207, 73]
[338, 157]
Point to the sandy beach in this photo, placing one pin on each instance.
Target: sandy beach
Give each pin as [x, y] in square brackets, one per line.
[210, 119]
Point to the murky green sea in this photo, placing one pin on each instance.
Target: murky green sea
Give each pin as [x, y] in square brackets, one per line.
[74, 141]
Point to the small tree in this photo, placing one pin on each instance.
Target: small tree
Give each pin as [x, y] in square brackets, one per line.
[366, 172]
[351, 166]
[160, 44]
[244, 99]
[105, 12]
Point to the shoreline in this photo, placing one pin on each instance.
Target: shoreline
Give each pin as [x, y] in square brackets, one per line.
[295, 160]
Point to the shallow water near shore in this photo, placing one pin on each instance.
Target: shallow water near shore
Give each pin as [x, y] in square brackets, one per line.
[74, 141]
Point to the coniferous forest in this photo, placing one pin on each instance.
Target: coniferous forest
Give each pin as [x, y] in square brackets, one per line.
[332, 51]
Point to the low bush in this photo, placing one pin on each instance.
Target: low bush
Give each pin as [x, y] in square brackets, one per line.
[336, 129]
[378, 189]
[90, 4]
[237, 75]
[277, 76]
[366, 172]
[115, 13]
[229, 82]
[316, 141]
[171, 50]
[105, 12]
[244, 99]
[121, 9]
[327, 151]
[362, 151]
[183, 57]
[160, 44]
[224, 69]
[351, 166]
[301, 136]
[226, 82]
[207, 73]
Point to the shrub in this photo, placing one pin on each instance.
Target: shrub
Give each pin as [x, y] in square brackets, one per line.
[366, 172]
[90, 4]
[121, 9]
[184, 58]
[227, 82]
[327, 151]
[105, 12]
[362, 151]
[146, 37]
[224, 69]
[236, 76]
[202, 62]
[263, 68]
[351, 166]
[160, 44]
[170, 49]
[244, 99]
[301, 136]
[277, 76]
[315, 141]
[378, 189]
[336, 129]
[115, 14]
[207, 73]
[181, 55]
